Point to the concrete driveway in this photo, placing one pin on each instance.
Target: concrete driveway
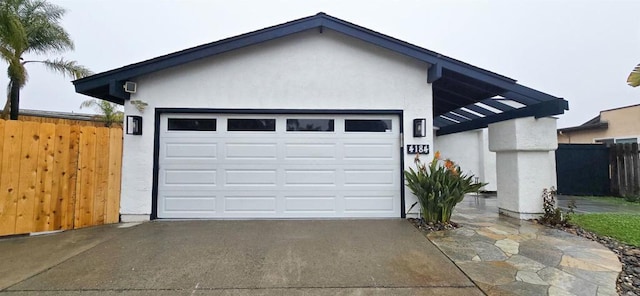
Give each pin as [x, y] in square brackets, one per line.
[280, 257]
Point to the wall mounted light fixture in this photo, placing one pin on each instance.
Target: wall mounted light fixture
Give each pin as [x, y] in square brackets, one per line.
[420, 127]
[134, 125]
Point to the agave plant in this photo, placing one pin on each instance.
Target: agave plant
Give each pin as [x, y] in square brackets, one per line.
[439, 187]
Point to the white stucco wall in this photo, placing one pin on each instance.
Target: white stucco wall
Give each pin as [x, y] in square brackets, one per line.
[470, 150]
[526, 163]
[309, 70]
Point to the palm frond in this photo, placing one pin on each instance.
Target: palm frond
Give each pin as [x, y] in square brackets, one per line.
[13, 36]
[88, 103]
[42, 24]
[64, 67]
[634, 77]
[108, 112]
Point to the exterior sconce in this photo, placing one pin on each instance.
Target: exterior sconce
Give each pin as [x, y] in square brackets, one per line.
[420, 127]
[134, 125]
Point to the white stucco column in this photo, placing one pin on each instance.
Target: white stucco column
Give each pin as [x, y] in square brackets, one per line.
[524, 165]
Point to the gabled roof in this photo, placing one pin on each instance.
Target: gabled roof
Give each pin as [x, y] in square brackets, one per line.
[465, 97]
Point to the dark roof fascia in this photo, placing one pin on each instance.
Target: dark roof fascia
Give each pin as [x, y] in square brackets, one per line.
[319, 21]
[592, 121]
[593, 126]
[543, 109]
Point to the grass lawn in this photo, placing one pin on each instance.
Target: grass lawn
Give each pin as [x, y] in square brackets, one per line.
[612, 200]
[623, 227]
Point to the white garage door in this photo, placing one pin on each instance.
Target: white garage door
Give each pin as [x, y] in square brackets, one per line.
[278, 166]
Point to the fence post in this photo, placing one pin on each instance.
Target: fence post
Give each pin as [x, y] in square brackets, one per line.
[634, 169]
[613, 171]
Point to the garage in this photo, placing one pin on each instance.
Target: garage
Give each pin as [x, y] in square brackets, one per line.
[313, 118]
[279, 166]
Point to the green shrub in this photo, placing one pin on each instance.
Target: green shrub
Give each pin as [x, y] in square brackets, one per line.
[439, 187]
[632, 198]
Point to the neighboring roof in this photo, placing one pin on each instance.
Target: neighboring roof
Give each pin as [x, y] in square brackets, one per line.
[596, 122]
[592, 124]
[620, 108]
[465, 97]
[57, 114]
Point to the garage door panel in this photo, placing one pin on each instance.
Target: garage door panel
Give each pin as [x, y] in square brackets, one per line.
[250, 177]
[176, 204]
[189, 177]
[302, 177]
[310, 151]
[369, 151]
[281, 174]
[191, 150]
[310, 204]
[251, 151]
[371, 177]
[246, 204]
[359, 203]
[189, 204]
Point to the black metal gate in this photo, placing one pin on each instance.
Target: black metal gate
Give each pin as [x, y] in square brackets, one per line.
[583, 169]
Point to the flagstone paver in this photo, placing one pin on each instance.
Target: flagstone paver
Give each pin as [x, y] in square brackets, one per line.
[506, 256]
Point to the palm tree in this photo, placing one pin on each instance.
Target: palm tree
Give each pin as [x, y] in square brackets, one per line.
[634, 77]
[32, 27]
[108, 112]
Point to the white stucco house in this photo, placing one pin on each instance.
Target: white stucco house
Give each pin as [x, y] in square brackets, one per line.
[313, 118]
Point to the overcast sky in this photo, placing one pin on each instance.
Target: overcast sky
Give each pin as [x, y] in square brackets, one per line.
[578, 50]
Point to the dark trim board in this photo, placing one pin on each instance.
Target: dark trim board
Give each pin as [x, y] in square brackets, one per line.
[277, 111]
[160, 111]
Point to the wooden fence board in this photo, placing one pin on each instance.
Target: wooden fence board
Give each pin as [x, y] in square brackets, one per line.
[61, 178]
[87, 170]
[10, 178]
[74, 179]
[46, 153]
[3, 196]
[101, 175]
[633, 170]
[28, 186]
[115, 173]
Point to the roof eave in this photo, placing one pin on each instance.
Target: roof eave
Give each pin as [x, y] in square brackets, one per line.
[321, 20]
[595, 126]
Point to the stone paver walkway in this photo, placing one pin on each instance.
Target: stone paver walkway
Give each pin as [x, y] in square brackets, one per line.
[506, 256]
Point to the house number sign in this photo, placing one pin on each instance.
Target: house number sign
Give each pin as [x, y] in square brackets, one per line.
[418, 148]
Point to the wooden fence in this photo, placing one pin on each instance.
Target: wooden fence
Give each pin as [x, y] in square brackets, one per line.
[58, 176]
[625, 169]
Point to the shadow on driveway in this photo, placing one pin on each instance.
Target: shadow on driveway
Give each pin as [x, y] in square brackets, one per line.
[264, 257]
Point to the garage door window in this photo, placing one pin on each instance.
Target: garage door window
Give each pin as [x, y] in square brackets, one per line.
[191, 124]
[251, 125]
[367, 125]
[310, 125]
